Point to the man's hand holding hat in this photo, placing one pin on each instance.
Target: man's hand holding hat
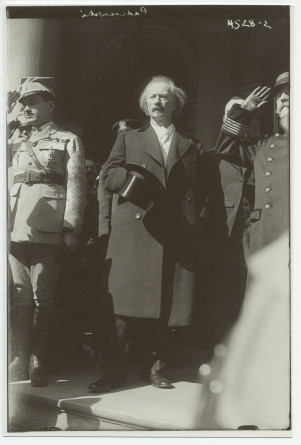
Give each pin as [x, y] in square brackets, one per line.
[141, 186]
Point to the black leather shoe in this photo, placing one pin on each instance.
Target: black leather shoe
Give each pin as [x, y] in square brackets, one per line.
[158, 381]
[105, 384]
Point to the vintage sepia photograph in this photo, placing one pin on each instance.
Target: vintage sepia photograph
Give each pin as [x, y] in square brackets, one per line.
[148, 286]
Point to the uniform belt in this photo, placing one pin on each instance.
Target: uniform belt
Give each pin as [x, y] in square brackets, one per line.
[38, 177]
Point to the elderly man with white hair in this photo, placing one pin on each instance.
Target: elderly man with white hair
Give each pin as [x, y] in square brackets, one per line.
[156, 244]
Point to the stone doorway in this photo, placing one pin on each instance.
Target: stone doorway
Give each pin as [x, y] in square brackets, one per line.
[109, 73]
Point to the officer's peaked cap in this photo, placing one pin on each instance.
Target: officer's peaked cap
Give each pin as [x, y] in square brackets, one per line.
[36, 85]
[282, 79]
[125, 125]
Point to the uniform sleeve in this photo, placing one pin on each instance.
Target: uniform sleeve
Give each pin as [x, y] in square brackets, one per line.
[114, 173]
[233, 144]
[76, 199]
[105, 210]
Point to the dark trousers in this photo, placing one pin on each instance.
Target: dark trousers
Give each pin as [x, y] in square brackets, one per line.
[35, 272]
[149, 336]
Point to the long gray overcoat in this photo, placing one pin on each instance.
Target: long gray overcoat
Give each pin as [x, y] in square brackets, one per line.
[153, 254]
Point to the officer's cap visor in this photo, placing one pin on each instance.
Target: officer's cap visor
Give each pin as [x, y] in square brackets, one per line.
[281, 82]
[31, 93]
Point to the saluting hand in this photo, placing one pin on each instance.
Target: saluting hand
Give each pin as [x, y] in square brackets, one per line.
[256, 99]
[12, 98]
[14, 108]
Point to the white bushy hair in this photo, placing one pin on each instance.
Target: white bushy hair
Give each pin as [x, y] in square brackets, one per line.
[179, 94]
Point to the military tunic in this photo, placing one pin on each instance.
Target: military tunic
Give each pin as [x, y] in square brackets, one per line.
[41, 210]
[48, 194]
[270, 157]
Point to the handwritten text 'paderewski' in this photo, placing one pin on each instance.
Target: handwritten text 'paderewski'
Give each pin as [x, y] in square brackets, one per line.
[127, 13]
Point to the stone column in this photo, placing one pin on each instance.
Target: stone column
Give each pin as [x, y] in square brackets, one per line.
[31, 49]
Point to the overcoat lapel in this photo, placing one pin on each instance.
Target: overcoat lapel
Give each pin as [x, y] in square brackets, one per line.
[149, 142]
[178, 148]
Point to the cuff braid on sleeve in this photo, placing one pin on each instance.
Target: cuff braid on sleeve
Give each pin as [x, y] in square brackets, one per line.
[234, 128]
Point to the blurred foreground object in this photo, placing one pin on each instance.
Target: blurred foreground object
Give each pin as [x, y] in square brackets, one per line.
[248, 380]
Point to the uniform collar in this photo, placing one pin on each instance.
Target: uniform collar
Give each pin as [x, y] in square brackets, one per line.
[43, 132]
[42, 127]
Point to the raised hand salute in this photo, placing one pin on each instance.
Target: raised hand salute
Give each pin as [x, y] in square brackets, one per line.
[256, 99]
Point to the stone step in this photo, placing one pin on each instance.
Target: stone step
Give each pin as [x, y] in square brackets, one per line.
[67, 404]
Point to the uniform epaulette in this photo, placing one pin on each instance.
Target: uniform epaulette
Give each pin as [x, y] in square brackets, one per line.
[63, 140]
[65, 131]
[60, 139]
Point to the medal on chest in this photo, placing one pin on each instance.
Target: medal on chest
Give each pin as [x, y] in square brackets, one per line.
[50, 157]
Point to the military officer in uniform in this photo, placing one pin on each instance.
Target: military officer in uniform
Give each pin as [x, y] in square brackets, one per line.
[233, 198]
[253, 362]
[231, 202]
[47, 200]
[270, 158]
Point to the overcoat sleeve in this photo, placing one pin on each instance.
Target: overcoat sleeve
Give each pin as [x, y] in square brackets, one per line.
[233, 144]
[114, 173]
[76, 199]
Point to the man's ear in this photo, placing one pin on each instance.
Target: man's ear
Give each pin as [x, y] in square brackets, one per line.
[51, 106]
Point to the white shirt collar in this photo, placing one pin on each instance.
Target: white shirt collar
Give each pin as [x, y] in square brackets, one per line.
[160, 130]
